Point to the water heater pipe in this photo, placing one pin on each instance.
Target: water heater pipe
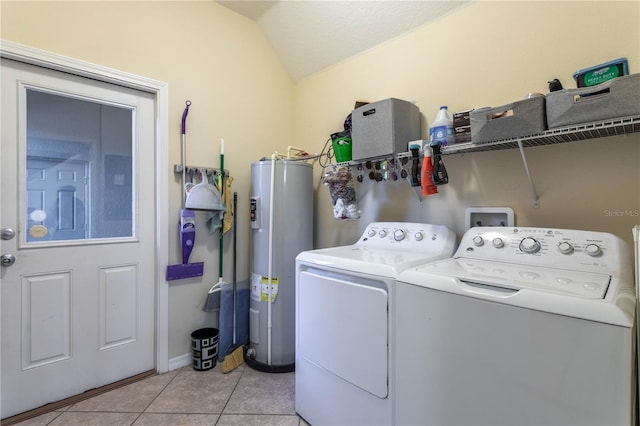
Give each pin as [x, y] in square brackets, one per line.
[636, 249]
[270, 255]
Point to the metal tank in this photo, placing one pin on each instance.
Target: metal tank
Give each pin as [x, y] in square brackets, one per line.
[281, 219]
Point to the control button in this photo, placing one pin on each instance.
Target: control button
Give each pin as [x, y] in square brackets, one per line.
[529, 275]
[498, 242]
[593, 249]
[382, 233]
[372, 232]
[591, 286]
[530, 245]
[419, 236]
[478, 240]
[565, 248]
[564, 281]
[398, 235]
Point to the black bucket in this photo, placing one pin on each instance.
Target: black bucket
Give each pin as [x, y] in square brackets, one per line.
[204, 346]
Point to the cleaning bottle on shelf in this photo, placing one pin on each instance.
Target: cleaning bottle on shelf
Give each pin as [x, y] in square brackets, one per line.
[441, 130]
[426, 180]
[440, 175]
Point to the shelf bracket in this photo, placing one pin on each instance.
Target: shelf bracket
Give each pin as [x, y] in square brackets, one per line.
[534, 194]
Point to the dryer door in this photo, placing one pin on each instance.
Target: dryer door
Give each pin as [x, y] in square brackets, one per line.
[343, 328]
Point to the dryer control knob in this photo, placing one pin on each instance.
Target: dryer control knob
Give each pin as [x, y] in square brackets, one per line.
[498, 242]
[419, 236]
[565, 248]
[478, 240]
[593, 249]
[398, 235]
[530, 245]
[382, 233]
[372, 232]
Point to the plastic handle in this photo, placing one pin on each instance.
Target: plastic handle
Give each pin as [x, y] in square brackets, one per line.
[486, 289]
[184, 117]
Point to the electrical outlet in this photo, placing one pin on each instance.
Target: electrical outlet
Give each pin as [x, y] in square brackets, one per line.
[488, 216]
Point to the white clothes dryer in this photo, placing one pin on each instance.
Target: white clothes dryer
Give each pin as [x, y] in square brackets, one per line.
[523, 326]
[344, 332]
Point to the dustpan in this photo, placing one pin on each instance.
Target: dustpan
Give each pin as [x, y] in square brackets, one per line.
[204, 196]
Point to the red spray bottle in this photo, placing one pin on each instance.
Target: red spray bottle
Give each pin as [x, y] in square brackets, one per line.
[428, 187]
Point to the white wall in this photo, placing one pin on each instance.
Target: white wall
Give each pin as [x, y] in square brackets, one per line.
[488, 54]
[206, 53]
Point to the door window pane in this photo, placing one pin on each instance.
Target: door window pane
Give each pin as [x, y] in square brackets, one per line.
[79, 169]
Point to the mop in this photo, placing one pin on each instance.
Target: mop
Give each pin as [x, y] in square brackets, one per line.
[187, 224]
[234, 357]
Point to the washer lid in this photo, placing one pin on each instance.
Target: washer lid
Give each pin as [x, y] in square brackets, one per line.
[591, 296]
[373, 261]
[587, 285]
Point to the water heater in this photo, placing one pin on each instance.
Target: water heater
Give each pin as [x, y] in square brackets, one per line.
[281, 220]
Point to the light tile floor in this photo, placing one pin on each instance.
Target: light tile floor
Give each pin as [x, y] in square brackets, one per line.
[188, 397]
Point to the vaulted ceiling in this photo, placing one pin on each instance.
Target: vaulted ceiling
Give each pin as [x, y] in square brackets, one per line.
[312, 35]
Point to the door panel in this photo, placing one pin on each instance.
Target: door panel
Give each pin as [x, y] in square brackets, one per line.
[78, 304]
[358, 324]
[58, 190]
[118, 301]
[46, 319]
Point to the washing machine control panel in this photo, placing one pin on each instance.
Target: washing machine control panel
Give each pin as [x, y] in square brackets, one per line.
[407, 236]
[571, 249]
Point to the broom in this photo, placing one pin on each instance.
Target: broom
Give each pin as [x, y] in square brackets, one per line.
[235, 356]
[213, 296]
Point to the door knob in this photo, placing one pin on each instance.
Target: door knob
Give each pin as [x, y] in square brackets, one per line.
[7, 233]
[7, 259]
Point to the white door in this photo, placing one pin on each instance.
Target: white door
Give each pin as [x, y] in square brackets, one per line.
[77, 169]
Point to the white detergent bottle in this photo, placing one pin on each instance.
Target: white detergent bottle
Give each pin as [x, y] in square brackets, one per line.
[441, 130]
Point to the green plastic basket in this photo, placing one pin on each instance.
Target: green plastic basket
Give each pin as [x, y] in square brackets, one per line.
[342, 146]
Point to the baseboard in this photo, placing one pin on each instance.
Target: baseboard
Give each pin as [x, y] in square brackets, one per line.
[180, 361]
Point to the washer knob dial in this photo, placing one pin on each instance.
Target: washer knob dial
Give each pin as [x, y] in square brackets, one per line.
[382, 233]
[565, 248]
[419, 236]
[478, 241]
[530, 245]
[593, 249]
[372, 232]
[498, 242]
[398, 235]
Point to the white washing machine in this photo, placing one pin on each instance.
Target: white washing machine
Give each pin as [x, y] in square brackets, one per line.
[344, 331]
[523, 326]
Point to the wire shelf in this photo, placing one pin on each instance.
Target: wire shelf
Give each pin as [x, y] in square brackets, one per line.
[575, 133]
[600, 129]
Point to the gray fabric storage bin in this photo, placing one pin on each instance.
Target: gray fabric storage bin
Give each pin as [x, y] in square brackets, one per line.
[383, 128]
[517, 119]
[615, 98]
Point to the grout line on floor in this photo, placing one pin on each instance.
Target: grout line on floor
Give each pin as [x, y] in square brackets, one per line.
[163, 389]
[230, 395]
